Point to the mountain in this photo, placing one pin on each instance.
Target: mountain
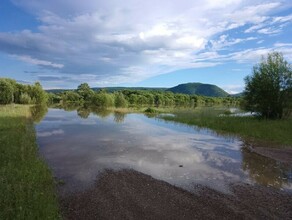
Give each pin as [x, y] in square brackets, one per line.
[111, 89]
[199, 89]
[187, 88]
[114, 89]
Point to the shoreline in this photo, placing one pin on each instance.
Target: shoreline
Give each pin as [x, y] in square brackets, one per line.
[128, 194]
[270, 150]
[27, 187]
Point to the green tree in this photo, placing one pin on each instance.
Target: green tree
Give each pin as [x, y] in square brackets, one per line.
[21, 89]
[24, 98]
[54, 98]
[102, 99]
[6, 92]
[85, 91]
[38, 95]
[70, 96]
[120, 100]
[268, 89]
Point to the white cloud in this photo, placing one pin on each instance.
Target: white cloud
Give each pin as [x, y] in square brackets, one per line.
[224, 41]
[283, 44]
[120, 42]
[254, 28]
[281, 19]
[50, 133]
[254, 55]
[233, 89]
[34, 61]
[269, 31]
[271, 25]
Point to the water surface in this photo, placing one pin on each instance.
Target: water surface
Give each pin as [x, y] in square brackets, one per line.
[78, 146]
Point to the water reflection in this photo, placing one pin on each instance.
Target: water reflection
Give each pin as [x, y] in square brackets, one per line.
[38, 112]
[119, 117]
[70, 106]
[78, 149]
[83, 112]
[102, 112]
[266, 171]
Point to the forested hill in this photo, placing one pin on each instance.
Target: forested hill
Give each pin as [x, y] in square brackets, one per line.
[188, 88]
[199, 89]
[115, 89]
[112, 89]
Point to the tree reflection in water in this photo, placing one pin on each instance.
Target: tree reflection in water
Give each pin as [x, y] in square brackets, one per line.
[83, 112]
[119, 117]
[38, 112]
[101, 112]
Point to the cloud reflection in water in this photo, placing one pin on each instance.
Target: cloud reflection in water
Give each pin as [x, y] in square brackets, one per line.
[89, 146]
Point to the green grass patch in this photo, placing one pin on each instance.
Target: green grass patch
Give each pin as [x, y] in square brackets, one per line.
[277, 131]
[27, 187]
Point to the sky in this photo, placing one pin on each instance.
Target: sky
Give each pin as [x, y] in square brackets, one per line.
[63, 43]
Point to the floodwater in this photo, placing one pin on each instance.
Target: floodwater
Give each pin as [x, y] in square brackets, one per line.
[80, 145]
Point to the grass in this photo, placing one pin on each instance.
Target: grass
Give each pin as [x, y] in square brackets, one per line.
[27, 187]
[276, 131]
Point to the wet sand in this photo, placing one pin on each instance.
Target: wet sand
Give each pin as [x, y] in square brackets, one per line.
[128, 194]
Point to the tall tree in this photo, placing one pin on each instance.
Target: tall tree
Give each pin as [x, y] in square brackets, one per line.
[85, 91]
[6, 91]
[120, 100]
[268, 89]
[39, 96]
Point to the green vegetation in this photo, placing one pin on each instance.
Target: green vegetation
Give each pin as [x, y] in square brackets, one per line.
[199, 89]
[277, 131]
[111, 89]
[26, 186]
[13, 92]
[103, 99]
[85, 92]
[151, 111]
[84, 96]
[6, 91]
[269, 89]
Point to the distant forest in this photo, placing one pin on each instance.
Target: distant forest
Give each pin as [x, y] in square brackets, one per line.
[13, 92]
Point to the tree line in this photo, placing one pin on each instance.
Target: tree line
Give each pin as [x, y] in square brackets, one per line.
[13, 92]
[268, 91]
[84, 95]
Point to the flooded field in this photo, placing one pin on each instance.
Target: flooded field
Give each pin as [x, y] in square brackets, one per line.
[78, 147]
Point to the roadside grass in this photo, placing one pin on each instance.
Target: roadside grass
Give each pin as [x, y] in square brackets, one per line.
[276, 131]
[27, 188]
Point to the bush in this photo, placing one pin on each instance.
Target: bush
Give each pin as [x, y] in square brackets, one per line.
[6, 92]
[150, 111]
[103, 99]
[268, 89]
[24, 98]
[120, 100]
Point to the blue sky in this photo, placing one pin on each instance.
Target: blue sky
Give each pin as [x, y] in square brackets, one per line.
[62, 43]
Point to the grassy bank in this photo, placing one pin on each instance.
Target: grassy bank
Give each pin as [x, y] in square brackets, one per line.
[26, 186]
[277, 131]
